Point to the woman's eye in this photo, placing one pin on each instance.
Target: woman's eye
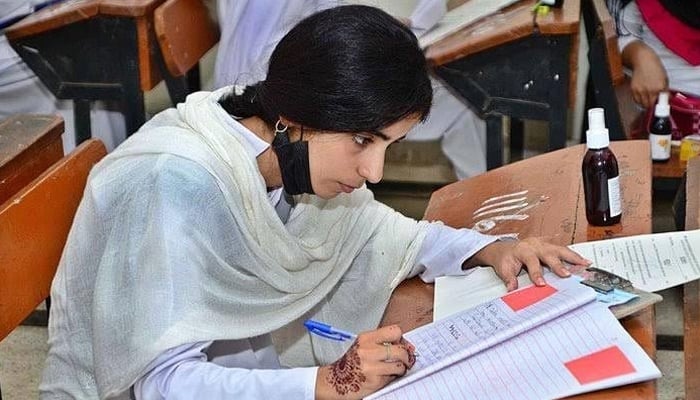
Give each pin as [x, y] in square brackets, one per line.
[361, 140]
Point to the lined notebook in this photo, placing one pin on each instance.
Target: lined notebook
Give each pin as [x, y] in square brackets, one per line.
[534, 343]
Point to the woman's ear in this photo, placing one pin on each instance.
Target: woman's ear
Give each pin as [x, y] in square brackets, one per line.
[287, 122]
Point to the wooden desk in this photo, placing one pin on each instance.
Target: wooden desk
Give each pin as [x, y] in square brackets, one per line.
[29, 144]
[88, 50]
[517, 64]
[561, 219]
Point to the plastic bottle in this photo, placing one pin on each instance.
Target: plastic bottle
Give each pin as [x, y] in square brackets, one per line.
[601, 180]
[660, 130]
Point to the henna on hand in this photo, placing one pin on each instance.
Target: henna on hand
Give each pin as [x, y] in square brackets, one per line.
[345, 375]
[410, 349]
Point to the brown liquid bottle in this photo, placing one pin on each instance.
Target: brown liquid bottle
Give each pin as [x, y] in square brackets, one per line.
[660, 130]
[601, 180]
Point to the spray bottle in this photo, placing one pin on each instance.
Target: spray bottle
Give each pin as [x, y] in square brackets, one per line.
[601, 180]
[660, 130]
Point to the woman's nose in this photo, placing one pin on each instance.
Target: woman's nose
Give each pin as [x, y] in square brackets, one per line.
[372, 168]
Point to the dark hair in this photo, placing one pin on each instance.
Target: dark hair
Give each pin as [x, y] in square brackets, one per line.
[345, 69]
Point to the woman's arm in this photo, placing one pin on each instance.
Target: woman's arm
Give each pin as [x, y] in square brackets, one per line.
[648, 73]
[184, 373]
[449, 251]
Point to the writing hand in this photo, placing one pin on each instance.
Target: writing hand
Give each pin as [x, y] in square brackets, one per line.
[374, 359]
[508, 258]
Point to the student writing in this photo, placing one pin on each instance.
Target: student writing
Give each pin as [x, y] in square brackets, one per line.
[206, 239]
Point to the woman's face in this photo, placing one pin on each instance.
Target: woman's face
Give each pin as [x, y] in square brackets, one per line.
[342, 162]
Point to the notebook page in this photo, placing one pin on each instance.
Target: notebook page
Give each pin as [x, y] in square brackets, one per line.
[466, 333]
[582, 351]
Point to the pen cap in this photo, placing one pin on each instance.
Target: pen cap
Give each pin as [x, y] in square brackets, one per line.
[662, 108]
[597, 134]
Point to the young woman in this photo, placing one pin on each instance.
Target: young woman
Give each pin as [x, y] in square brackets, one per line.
[206, 239]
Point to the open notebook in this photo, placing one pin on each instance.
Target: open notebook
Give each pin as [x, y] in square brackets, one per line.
[534, 343]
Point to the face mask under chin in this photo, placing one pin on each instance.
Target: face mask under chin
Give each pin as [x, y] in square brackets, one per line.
[293, 160]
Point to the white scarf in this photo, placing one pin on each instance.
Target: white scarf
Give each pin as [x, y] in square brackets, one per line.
[335, 260]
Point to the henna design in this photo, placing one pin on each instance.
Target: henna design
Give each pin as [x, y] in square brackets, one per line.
[345, 375]
[410, 349]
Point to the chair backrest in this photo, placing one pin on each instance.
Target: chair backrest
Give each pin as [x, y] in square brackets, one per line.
[692, 215]
[185, 33]
[612, 91]
[34, 225]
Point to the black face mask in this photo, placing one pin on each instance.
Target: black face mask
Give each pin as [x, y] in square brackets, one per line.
[293, 159]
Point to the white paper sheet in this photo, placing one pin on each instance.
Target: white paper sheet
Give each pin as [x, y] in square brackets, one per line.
[651, 262]
[462, 16]
[422, 14]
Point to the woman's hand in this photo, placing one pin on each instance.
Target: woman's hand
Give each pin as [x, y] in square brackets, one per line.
[648, 74]
[508, 257]
[375, 359]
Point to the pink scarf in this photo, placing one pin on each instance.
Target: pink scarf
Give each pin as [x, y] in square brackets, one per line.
[679, 37]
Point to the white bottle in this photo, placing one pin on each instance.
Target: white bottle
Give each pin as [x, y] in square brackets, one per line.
[660, 130]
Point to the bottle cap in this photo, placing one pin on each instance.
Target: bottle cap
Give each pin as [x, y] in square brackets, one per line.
[597, 135]
[662, 108]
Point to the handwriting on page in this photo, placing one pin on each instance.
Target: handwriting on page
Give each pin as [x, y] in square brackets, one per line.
[587, 349]
[480, 326]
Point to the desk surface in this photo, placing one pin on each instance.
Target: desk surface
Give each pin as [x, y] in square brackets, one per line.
[511, 23]
[70, 12]
[29, 144]
[560, 218]
[75, 11]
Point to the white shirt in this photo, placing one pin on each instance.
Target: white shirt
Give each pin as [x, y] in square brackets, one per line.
[249, 368]
[681, 75]
[250, 30]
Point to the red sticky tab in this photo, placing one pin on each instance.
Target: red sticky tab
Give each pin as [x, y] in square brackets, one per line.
[528, 296]
[603, 364]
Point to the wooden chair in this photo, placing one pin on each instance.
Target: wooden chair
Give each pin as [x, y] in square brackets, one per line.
[611, 89]
[691, 290]
[34, 225]
[185, 32]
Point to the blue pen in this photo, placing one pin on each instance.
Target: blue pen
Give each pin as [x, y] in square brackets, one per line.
[327, 331]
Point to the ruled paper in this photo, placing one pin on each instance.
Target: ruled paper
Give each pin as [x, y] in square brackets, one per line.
[469, 332]
[533, 365]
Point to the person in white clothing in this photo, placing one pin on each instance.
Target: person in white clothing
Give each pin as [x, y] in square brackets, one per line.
[251, 28]
[21, 92]
[203, 242]
[659, 42]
